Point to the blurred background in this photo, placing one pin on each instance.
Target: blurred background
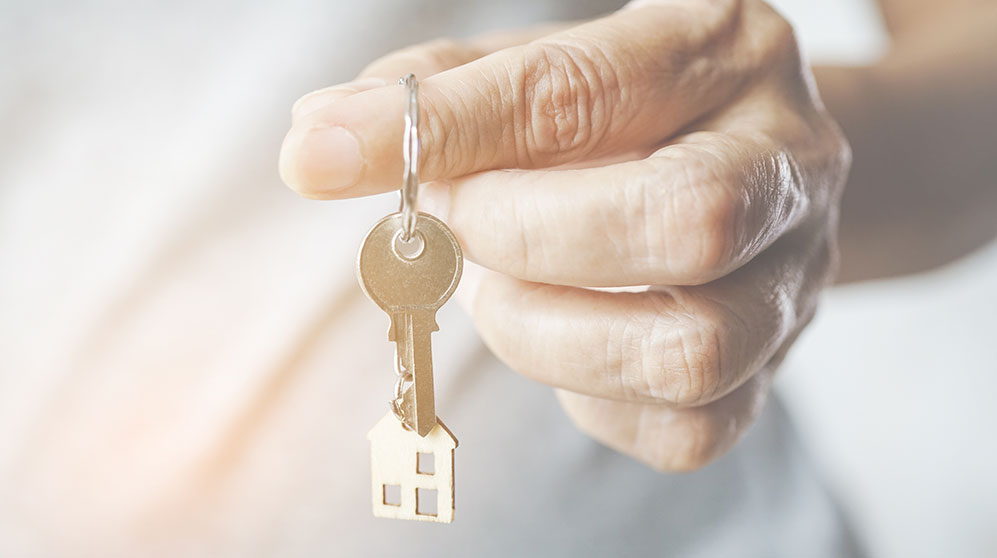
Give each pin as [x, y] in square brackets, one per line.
[892, 390]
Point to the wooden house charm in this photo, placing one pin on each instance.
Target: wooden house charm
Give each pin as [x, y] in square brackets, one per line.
[412, 477]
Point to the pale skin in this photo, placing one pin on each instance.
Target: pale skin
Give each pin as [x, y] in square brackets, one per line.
[676, 146]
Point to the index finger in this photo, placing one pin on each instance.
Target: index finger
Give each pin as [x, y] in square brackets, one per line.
[615, 84]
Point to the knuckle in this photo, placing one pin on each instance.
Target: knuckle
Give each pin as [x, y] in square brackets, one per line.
[715, 217]
[561, 87]
[707, 206]
[683, 363]
[690, 226]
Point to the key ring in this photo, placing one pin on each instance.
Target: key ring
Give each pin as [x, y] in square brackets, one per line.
[410, 152]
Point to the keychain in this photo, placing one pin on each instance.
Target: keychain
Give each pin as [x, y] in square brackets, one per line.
[409, 265]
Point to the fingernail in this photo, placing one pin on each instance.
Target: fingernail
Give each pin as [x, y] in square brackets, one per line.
[318, 99]
[324, 158]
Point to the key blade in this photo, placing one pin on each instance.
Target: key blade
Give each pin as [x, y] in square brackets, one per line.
[420, 328]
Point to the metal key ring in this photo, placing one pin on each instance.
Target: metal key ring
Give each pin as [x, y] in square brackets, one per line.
[410, 152]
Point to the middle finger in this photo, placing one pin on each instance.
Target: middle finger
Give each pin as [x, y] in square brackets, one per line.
[681, 345]
[690, 213]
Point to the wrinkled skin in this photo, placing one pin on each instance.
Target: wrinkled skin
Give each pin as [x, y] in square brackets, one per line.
[676, 146]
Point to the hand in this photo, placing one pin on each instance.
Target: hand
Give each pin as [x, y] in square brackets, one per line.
[701, 162]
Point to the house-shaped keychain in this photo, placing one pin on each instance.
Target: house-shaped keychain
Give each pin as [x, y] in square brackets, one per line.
[412, 477]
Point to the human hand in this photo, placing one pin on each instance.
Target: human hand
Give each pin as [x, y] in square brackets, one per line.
[702, 164]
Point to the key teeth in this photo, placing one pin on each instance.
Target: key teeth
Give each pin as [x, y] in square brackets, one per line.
[395, 330]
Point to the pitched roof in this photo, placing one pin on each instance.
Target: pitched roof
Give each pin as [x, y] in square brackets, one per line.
[389, 426]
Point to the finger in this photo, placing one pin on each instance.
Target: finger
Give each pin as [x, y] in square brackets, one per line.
[672, 439]
[433, 57]
[666, 438]
[321, 97]
[423, 60]
[321, 158]
[681, 345]
[624, 81]
[692, 212]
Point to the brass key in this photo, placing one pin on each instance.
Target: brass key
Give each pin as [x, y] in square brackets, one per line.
[410, 281]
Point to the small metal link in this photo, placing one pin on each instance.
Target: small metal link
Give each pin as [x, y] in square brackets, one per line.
[403, 378]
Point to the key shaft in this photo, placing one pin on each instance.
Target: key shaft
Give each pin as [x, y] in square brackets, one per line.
[416, 352]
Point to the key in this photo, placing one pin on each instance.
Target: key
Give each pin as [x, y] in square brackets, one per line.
[410, 282]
